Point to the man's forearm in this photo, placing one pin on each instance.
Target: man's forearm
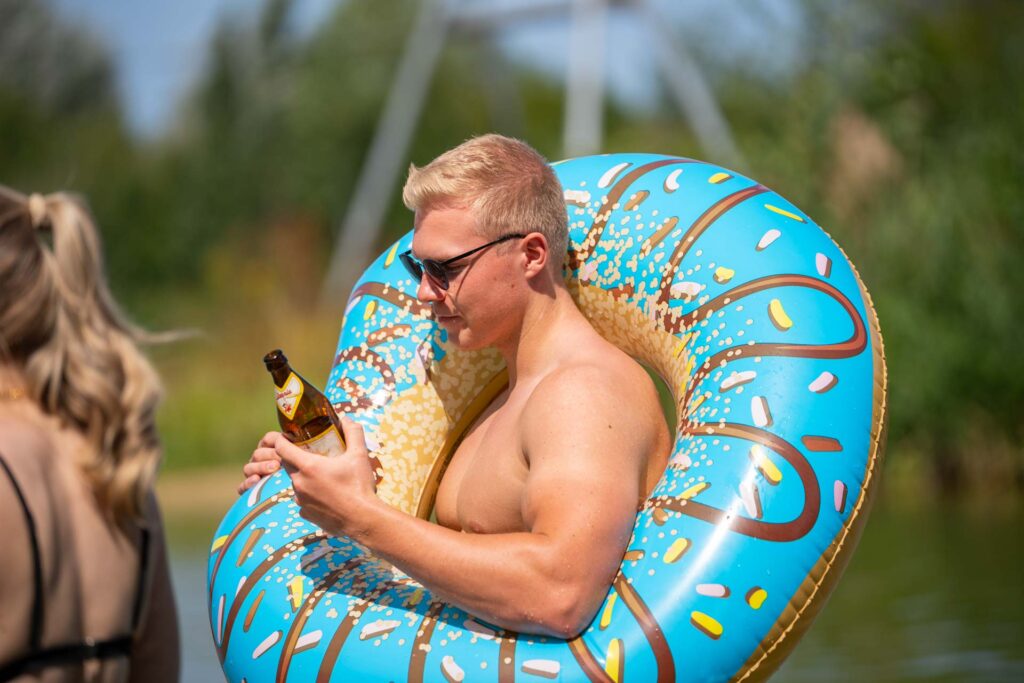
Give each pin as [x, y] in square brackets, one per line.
[509, 579]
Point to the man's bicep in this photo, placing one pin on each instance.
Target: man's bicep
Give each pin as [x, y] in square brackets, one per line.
[583, 486]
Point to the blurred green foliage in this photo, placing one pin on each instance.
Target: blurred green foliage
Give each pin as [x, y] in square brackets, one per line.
[899, 131]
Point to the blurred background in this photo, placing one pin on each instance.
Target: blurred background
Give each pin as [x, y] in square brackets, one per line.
[245, 158]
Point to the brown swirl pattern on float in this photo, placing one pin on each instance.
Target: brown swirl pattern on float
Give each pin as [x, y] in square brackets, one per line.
[345, 629]
[252, 579]
[256, 511]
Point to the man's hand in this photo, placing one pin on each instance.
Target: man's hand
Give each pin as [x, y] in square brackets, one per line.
[331, 492]
[263, 462]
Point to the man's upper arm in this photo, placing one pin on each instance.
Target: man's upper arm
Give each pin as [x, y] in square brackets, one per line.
[586, 448]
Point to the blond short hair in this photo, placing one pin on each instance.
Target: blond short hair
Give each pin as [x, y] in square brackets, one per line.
[507, 185]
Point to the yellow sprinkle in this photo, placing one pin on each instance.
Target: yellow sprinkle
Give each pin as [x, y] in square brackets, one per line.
[756, 597]
[682, 344]
[778, 315]
[676, 550]
[415, 598]
[723, 274]
[783, 212]
[614, 661]
[765, 465]
[708, 625]
[690, 362]
[606, 614]
[295, 591]
[719, 178]
[694, 490]
[696, 403]
[217, 543]
[370, 308]
[391, 256]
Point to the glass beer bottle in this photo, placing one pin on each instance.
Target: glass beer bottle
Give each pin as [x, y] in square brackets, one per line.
[306, 417]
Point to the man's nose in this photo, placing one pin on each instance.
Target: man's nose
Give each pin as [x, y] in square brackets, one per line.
[428, 291]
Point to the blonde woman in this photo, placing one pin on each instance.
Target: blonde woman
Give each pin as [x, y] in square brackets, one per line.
[84, 583]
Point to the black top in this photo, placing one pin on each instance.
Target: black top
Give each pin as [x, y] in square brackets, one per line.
[40, 657]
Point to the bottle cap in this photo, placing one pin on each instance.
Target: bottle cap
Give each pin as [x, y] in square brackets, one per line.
[275, 357]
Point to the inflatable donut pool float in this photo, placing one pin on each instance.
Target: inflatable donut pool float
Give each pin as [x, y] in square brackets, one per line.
[767, 339]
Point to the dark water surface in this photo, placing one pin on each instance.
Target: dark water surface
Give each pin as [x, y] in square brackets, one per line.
[932, 594]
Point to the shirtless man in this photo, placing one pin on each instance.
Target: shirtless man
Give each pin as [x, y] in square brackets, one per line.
[537, 506]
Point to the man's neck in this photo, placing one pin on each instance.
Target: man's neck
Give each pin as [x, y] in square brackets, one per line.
[545, 319]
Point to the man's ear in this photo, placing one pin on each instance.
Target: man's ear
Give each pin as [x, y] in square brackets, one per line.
[535, 250]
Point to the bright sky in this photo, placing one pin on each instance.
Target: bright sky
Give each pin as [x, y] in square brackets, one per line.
[160, 48]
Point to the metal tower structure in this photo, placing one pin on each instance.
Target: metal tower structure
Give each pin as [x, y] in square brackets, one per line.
[438, 22]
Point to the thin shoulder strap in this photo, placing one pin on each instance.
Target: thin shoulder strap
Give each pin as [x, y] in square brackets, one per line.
[140, 584]
[36, 625]
[38, 657]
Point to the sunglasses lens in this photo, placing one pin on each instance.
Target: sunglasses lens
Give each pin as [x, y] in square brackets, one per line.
[436, 272]
[412, 266]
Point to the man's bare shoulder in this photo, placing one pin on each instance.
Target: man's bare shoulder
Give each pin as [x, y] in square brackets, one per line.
[606, 390]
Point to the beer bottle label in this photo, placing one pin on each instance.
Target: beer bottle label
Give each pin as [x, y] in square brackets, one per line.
[289, 395]
[328, 442]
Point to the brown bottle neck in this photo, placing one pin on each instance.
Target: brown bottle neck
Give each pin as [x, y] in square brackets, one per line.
[280, 372]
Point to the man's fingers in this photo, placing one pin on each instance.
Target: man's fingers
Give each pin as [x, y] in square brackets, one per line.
[261, 468]
[353, 433]
[263, 454]
[248, 484]
[268, 440]
[292, 457]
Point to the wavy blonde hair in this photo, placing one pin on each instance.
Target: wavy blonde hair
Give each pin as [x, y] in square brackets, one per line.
[61, 327]
[507, 185]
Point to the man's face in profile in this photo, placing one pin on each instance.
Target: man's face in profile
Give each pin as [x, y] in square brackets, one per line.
[483, 301]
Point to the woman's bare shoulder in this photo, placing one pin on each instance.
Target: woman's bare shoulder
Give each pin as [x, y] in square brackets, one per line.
[26, 437]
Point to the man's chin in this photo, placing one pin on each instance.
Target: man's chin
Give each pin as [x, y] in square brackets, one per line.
[463, 339]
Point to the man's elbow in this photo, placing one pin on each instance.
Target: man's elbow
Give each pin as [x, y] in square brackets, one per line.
[567, 615]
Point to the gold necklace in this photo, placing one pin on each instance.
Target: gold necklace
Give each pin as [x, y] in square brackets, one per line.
[12, 394]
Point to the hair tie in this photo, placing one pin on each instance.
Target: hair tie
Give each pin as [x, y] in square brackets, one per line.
[37, 209]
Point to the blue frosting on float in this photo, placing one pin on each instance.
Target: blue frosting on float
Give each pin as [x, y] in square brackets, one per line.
[767, 338]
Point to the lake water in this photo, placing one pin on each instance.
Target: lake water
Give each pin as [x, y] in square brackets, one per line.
[931, 594]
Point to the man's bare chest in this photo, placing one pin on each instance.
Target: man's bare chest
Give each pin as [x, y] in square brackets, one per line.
[482, 488]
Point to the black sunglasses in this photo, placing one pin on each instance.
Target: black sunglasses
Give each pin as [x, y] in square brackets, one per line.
[438, 270]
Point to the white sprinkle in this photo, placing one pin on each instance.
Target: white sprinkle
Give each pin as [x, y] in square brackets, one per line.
[378, 628]
[672, 182]
[751, 499]
[220, 620]
[311, 639]
[452, 671]
[824, 264]
[610, 174]
[547, 668]
[759, 410]
[577, 197]
[823, 383]
[768, 238]
[267, 643]
[736, 379]
[839, 493]
[687, 289]
[712, 590]
[254, 494]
